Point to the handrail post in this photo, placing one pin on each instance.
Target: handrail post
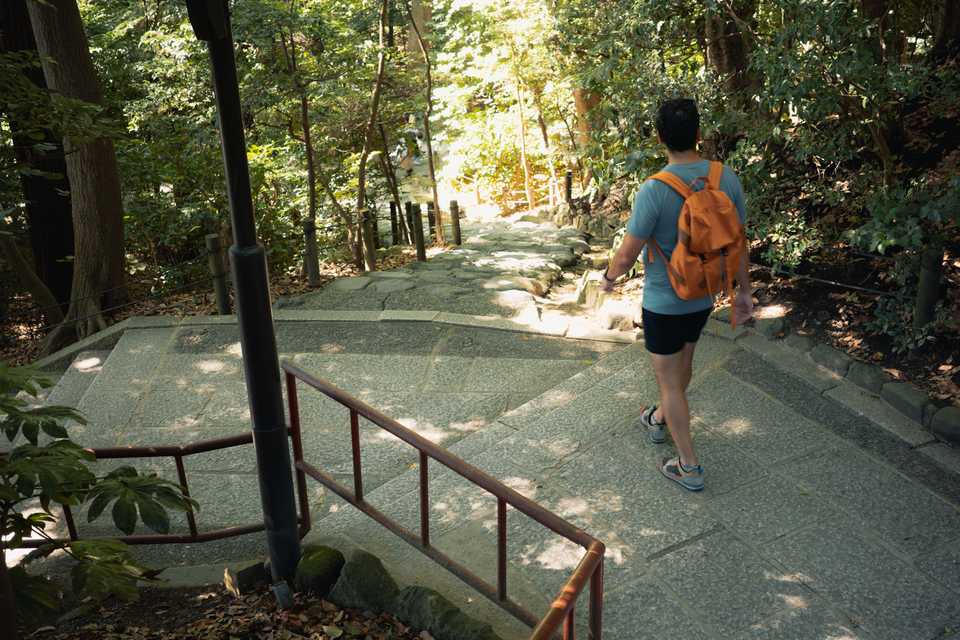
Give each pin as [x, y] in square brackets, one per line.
[71, 525]
[355, 444]
[596, 603]
[294, 406]
[182, 475]
[501, 549]
[424, 500]
[569, 626]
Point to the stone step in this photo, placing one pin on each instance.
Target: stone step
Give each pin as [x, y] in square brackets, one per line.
[77, 378]
[126, 376]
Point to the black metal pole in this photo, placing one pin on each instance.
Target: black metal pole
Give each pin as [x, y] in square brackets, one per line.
[211, 22]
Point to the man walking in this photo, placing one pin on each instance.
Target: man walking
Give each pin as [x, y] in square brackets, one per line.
[672, 324]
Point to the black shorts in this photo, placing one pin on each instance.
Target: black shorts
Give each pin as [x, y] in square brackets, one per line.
[667, 334]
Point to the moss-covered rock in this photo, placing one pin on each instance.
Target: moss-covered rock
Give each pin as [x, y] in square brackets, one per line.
[364, 584]
[423, 608]
[319, 569]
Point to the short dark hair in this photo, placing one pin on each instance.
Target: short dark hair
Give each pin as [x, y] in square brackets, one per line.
[677, 123]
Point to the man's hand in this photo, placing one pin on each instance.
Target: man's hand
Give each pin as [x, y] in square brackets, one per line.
[743, 306]
[606, 285]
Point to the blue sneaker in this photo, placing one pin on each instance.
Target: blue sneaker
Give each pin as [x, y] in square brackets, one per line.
[690, 478]
[656, 431]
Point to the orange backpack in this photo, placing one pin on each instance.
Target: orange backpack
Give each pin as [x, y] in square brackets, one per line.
[710, 239]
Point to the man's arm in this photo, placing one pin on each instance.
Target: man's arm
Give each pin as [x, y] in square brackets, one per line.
[623, 260]
[743, 301]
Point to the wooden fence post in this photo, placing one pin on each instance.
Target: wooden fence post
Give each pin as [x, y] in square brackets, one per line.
[219, 273]
[394, 227]
[455, 221]
[418, 233]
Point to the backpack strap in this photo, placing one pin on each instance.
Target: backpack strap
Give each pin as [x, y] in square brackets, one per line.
[666, 263]
[673, 182]
[716, 172]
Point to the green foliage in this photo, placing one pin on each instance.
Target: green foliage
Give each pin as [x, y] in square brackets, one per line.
[56, 472]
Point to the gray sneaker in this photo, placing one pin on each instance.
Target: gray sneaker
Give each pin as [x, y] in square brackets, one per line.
[690, 478]
[656, 431]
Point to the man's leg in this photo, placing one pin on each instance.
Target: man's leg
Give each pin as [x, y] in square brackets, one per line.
[687, 355]
[673, 377]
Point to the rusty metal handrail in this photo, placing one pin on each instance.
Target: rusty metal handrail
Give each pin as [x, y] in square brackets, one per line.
[178, 453]
[561, 612]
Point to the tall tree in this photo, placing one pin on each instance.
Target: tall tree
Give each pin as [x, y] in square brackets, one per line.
[370, 255]
[99, 275]
[44, 178]
[418, 19]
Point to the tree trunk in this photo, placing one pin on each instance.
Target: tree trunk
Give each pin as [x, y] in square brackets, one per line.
[524, 160]
[48, 209]
[548, 150]
[29, 279]
[584, 101]
[386, 164]
[8, 606]
[310, 265]
[422, 14]
[728, 50]
[99, 275]
[928, 286]
[370, 257]
[354, 237]
[946, 44]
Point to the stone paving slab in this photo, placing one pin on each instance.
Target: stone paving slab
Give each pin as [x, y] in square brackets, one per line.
[77, 379]
[112, 397]
[754, 421]
[645, 610]
[878, 412]
[890, 598]
[730, 585]
[908, 516]
[788, 360]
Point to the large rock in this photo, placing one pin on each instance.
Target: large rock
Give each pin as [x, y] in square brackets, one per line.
[246, 578]
[423, 608]
[831, 358]
[318, 569]
[906, 399]
[350, 284]
[868, 376]
[946, 424]
[364, 584]
[799, 342]
[770, 327]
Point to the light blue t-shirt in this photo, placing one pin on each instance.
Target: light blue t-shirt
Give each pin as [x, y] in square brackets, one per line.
[656, 210]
